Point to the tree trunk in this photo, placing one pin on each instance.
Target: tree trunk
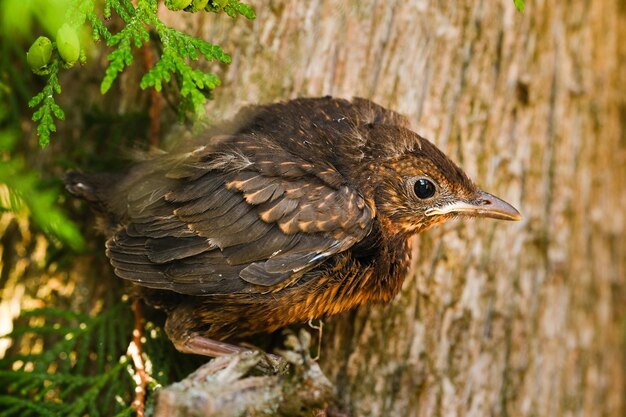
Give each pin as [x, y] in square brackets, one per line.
[495, 318]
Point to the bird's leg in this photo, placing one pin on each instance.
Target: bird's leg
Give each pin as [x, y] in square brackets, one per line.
[182, 328]
[187, 340]
[200, 345]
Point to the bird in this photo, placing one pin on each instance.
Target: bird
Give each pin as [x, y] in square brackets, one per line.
[290, 212]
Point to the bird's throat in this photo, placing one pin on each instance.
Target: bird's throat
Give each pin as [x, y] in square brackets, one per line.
[387, 259]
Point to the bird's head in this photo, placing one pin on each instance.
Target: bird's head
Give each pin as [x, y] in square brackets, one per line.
[417, 186]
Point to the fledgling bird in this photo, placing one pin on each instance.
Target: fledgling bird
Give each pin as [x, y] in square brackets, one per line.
[295, 211]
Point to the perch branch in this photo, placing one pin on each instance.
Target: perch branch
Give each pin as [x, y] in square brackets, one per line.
[251, 383]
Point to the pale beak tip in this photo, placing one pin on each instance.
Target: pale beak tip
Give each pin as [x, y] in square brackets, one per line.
[494, 207]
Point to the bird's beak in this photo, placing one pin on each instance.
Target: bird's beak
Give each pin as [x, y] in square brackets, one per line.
[486, 205]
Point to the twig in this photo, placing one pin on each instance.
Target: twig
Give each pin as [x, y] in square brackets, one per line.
[320, 329]
[135, 351]
[155, 103]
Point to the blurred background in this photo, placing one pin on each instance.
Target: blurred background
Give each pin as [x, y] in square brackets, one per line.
[524, 319]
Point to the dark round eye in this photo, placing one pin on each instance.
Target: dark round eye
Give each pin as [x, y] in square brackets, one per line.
[424, 188]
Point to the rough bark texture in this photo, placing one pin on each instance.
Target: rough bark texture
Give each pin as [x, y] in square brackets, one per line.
[250, 384]
[496, 319]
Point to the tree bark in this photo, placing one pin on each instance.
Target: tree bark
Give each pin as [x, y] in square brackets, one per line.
[495, 319]
[249, 384]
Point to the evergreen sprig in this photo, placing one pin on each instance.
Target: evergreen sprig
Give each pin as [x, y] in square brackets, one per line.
[81, 369]
[133, 33]
[178, 51]
[48, 108]
[232, 8]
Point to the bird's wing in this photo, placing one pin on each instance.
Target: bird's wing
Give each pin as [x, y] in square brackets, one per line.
[225, 222]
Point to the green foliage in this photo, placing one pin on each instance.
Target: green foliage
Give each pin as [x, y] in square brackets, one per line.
[68, 44]
[79, 368]
[48, 108]
[231, 8]
[39, 54]
[178, 51]
[519, 5]
[18, 16]
[25, 194]
[21, 190]
[195, 85]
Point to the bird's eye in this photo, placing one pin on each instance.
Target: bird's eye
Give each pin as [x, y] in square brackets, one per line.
[424, 188]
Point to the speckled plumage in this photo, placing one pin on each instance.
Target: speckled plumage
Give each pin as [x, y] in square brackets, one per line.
[293, 211]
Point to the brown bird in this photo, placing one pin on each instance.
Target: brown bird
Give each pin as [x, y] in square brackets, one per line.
[294, 211]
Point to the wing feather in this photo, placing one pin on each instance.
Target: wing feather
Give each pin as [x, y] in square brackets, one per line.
[167, 249]
[229, 218]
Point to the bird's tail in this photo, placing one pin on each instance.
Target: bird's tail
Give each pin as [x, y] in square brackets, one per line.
[95, 188]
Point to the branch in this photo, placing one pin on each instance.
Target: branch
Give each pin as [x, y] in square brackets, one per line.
[251, 383]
